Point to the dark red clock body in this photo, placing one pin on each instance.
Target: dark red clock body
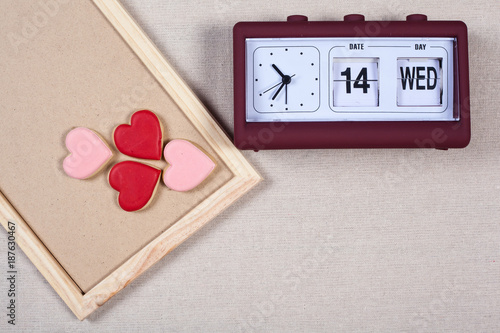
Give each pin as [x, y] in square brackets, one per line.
[353, 134]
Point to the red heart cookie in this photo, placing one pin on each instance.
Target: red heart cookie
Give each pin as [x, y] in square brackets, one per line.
[136, 183]
[143, 138]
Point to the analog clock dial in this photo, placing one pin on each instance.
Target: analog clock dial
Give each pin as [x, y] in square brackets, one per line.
[286, 79]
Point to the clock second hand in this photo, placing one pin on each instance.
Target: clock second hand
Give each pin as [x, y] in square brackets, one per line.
[277, 84]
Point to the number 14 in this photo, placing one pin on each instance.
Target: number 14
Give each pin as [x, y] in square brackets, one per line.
[362, 77]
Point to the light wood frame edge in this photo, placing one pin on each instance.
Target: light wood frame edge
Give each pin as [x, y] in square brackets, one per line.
[245, 177]
[41, 257]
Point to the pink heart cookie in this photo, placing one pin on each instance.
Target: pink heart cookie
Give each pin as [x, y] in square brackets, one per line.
[189, 166]
[89, 153]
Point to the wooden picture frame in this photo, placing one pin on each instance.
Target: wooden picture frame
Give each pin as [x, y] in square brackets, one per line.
[244, 178]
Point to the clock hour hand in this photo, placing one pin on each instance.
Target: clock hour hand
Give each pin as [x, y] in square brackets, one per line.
[278, 70]
[279, 89]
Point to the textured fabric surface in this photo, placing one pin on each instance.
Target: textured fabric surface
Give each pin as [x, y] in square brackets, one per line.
[332, 240]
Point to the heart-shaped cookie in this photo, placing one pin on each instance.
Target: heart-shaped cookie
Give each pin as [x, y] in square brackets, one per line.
[136, 182]
[89, 153]
[143, 138]
[189, 166]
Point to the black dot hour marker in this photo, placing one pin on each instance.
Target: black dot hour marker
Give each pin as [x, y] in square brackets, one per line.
[260, 94]
[256, 79]
[260, 65]
[312, 64]
[316, 79]
[286, 109]
[271, 53]
[286, 49]
[312, 94]
[301, 104]
[271, 105]
[301, 53]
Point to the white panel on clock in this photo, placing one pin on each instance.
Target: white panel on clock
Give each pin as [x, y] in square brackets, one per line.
[382, 100]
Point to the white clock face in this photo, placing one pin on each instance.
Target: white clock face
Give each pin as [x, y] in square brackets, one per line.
[286, 79]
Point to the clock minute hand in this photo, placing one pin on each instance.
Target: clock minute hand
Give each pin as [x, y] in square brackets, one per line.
[278, 70]
[279, 89]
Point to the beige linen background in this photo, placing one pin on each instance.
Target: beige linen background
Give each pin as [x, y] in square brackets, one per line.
[332, 240]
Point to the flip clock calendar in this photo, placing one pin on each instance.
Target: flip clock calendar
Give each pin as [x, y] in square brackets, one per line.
[351, 84]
